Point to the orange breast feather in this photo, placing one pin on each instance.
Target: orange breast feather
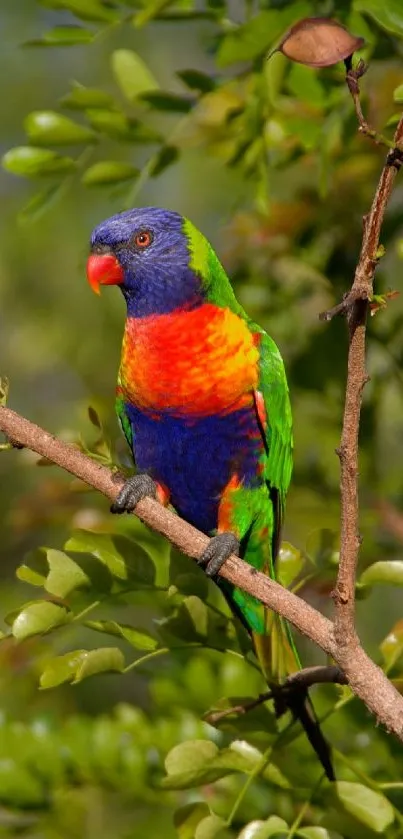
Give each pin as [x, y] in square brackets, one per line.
[195, 362]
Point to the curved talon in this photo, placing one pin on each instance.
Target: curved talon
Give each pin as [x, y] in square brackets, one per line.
[217, 552]
[133, 490]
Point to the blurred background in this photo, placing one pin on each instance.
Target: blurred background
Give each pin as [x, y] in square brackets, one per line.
[268, 163]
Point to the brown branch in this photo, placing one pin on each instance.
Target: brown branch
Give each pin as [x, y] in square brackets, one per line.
[180, 533]
[318, 675]
[302, 679]
[357, 312]
[363, 676]
[353, 75]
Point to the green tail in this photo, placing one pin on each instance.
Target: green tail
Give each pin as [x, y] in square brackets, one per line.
[275, 647]
[298, 701]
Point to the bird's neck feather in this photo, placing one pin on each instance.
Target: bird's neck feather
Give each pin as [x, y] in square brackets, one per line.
[161, 291]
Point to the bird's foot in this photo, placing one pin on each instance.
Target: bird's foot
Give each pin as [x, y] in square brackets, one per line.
[217, 552]
[133, 490]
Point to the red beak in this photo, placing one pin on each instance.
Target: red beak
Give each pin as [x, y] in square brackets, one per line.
[103, 269]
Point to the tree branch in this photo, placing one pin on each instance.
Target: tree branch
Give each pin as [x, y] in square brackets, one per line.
[181, 534]
[301, 680]
[363, 676]
[357, 303]
[353, 75]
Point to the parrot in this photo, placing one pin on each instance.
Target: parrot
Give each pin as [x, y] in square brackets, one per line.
[202, 399]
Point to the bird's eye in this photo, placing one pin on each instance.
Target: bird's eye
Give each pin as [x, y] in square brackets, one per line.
[143, 239]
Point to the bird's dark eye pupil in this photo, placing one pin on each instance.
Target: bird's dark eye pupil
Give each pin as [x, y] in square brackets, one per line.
[143, 239]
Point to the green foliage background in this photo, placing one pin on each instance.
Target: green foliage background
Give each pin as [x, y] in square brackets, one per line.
[115, 647]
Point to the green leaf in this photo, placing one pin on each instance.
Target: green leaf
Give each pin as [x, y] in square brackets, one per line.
[187, 762]
[166, 157]
[189, 756]
[193, 622]
[107, 172]
[263, 829]
[62, 36]
[79, 664]
[94, 417]
[118, 126]
[198, 613]
[140, 565]
[195, 80]
[289, 564]
[103, 660]
[132, 74]
[31, 162]
[102, 547]
[211, 827]
[398, 94]
[50, 128]
[366, 805]
[385, 571]
[315, 833]
[10, 617]
[60, 574]
[188, 817]
[138, 638]
[179, 625]
[61, 669]
[303, 82]
[140, 133]
[29, 575]
[255, 37]
[186, 576]
[39, 203]
[308, 132]
[165, 101]
[93, 10]
[394, 119]
[151, 10]
[80, 98]
[392, 646]
[39, 618]
[20, 787]
[112, 123]
[387, 13]
[64, 574]
[197, 762]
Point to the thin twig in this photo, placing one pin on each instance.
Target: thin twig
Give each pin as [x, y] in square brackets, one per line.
[353, 75]
[363, 676]
[302, 679]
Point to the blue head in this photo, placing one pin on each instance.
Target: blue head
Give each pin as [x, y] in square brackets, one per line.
[146, 252]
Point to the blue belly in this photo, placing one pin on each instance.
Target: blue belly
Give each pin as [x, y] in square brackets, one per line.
[195, 459]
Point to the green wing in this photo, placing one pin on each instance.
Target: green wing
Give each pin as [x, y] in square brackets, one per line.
[126, 426]
[274, 409]
[274, 415]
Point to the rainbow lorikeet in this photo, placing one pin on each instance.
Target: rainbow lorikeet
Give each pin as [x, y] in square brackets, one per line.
[203, 401]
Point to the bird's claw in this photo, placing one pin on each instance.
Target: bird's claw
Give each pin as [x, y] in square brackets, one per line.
[133, 490]
[217, 552]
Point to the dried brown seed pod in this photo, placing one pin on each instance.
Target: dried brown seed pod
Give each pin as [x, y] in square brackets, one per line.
[319, 42]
